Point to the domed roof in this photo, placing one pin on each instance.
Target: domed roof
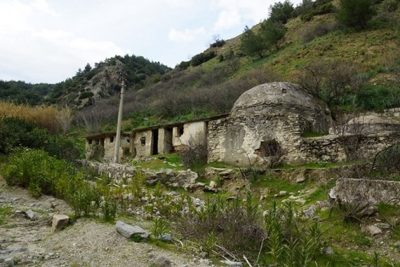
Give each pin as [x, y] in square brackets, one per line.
[276, 94]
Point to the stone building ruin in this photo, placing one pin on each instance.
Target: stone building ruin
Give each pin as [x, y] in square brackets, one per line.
[268, 124]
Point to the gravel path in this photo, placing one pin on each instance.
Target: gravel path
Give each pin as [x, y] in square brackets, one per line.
[26, 242]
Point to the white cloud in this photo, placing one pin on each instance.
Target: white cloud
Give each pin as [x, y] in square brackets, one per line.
[186, 35]
[233, 13]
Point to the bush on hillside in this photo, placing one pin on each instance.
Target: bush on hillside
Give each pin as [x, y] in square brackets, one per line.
[378, 97]
[258, 43]
[308, 9]
[313, 31]
[202, 58]
[16, 133]
[355, 14]
[42, 174]
[218, 43]
[251, 44]
[281, 12]
[271, 32]
[330, 81]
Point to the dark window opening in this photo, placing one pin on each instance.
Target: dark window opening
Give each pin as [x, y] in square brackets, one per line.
[168, 140]
[128, 140]
[111, 139]
[180, 131]
[90, 141]
[143, 140]
[154, 149]
[269, 148]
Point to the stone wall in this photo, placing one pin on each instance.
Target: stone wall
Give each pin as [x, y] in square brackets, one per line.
[348, 190]
[165, 140]
[103, 148]
[194, 133]
[334, 148]
[240, 140]
[142, 142]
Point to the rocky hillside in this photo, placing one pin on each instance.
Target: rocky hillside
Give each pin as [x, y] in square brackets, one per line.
[88, 85]
[359, 67]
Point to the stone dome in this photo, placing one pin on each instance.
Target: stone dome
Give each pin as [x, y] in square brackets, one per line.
[276, 94]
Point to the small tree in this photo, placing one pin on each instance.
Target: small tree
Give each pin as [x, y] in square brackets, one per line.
[281, 12]
[355, 13]
[271, 32]
[251, 43]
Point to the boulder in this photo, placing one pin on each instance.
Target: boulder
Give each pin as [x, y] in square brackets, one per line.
[232, 263]
[30, 215]
[222, 173]
[59, 222]
[162, 262]
[372, 230]
[131, 231]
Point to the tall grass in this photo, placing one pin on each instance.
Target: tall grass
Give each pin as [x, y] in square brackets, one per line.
[45, 116]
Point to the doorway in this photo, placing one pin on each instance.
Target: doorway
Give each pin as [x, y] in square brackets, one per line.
[154, 148]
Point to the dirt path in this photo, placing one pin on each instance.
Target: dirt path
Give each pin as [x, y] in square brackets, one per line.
[26, 242]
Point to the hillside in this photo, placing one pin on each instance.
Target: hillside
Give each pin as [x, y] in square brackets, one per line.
[88, 85]
[315, 47]
[211, 82]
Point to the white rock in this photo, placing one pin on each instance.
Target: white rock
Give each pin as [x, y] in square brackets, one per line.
[373, 230]
[232, 263]
[130, 231]
[59, 222]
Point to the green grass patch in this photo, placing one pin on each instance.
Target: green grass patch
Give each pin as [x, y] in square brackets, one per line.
[5, 212]
[168, 161]
[276, 184]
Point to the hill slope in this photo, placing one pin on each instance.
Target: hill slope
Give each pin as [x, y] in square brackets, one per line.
[211, 82]
[88, 85]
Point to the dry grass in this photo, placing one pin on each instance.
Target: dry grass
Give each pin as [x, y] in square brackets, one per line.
[44, 116]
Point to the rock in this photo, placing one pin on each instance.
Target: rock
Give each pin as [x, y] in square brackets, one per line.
[372, 230]
[59, 222]
[282, 193]
[300, 201]
[30, 215]
[397, 246]
[213, 184]
[9, 262]
[130, 231]
[310, 211]
[384, 226]
[300, 177]
[166, 237]
[162, 262]
[222, 173]
[328, 251]
[232, 263]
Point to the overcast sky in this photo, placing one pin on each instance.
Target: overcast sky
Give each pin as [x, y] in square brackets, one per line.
[49, 40]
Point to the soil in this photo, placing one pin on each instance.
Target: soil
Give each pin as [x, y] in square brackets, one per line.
[88, 242]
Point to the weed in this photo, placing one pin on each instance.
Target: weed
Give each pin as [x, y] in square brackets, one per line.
[160, 227]
[5, 211]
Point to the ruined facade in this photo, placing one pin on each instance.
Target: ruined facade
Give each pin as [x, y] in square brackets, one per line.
[270, 123]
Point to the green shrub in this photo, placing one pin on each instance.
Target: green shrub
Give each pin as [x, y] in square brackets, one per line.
[355, 14]
[281, 12]
[160, 227]
[86, 95]
[280, 239]
[16, 133]
[378, 97]
[202, 58]
[271, 32]
[41, 174]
